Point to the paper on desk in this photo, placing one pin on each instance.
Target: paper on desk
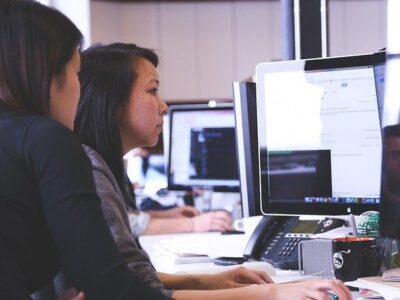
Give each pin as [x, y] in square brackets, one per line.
[212, 245]
[334, 233]
[190, 258]
[164, 249]
[389, 290]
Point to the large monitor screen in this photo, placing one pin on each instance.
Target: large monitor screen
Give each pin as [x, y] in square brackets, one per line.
[319, 136]
[202, 150]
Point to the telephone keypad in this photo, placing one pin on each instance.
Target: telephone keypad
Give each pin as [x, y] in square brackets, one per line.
[276, 240]
[281, 249]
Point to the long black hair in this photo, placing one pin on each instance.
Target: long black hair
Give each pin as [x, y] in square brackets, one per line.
[107, 76]
[36, 42]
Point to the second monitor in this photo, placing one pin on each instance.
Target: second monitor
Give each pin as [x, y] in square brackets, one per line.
[319, 135]
[202, 148]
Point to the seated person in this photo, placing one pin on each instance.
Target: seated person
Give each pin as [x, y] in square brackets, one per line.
[120, 109]
[50, 214]
[179, 219]
[390, 207]
[174, 220]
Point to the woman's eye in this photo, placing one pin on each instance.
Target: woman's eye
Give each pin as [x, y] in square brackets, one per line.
[153, 91]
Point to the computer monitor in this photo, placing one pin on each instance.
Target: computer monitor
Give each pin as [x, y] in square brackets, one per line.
[202, 148]
[244, 94]
[319, 136]
[379, 74]
[165, 135]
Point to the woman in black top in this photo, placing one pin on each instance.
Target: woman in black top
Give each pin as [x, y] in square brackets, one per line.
[49, 211]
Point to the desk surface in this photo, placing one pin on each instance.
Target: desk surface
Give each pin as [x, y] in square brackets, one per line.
[162, 251]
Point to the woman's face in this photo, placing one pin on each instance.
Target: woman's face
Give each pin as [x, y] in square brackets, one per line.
[65, 93]
[141, 117]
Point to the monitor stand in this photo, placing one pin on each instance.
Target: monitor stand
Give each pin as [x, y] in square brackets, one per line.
[352, 222]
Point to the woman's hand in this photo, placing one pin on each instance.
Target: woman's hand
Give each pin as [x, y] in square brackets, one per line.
[215, 220]
[234, 278]
[310, 289]
[72, 294]
[183, 211]
[177, 212]
[303, 290]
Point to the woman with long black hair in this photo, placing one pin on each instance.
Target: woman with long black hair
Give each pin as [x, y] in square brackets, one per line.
[120, 109]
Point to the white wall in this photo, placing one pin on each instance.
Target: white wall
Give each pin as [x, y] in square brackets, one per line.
[356, 26]
[78, 11]
[204, 46]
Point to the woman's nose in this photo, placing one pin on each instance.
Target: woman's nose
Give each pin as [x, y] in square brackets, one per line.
[163, 107]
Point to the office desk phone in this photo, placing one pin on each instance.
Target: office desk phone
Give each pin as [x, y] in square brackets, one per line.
[276, 238]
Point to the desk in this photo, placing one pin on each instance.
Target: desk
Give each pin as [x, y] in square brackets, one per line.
[161, 250]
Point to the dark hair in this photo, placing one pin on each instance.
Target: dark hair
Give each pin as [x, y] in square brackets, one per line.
[391, 131]
[35, 45]
[107, 75]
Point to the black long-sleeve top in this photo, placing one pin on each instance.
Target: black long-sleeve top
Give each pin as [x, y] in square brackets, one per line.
[50, 215]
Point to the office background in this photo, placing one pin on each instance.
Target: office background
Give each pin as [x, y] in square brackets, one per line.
[206, 45]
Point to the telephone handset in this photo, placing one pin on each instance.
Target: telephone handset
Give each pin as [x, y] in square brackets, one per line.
[276, 238]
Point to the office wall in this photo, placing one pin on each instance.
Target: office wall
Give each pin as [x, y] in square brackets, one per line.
[205, 46]
[356, 26]
[78, 11]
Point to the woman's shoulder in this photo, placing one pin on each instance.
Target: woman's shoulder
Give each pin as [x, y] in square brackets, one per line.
[95, 158]
[14, 120]
[101, 172]
[31, 131]
[49, 135]
[106, 185]
[48, 126]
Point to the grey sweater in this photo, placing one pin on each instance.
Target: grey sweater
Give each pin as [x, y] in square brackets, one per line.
[115, 213]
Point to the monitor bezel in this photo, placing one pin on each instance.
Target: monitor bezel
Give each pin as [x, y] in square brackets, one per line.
[304, 208]
[244, 95]
[194, 107]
